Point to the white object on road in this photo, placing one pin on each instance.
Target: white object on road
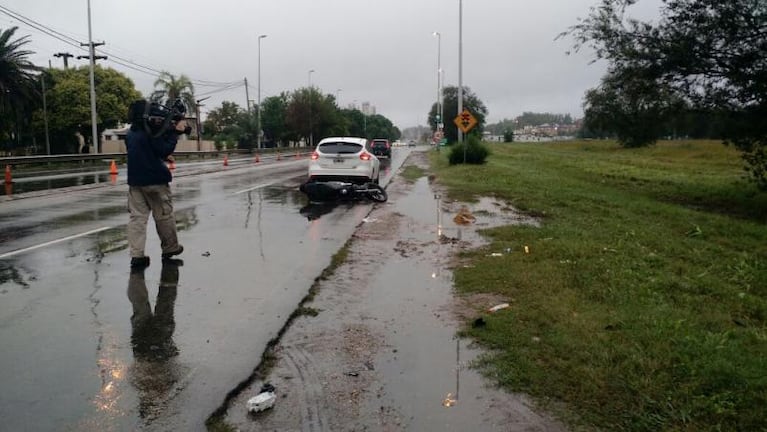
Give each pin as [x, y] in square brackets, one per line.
[262, 401]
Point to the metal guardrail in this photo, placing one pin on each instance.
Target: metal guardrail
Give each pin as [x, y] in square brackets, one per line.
[47, 159]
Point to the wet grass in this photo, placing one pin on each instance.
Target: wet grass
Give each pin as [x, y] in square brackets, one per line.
[412, 173]
[643, 303]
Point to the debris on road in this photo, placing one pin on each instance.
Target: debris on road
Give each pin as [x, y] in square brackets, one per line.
[263, 400]
[206, 254]
[449, 401]
[496, 254]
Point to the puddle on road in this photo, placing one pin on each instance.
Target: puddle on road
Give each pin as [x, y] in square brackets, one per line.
[382, 353]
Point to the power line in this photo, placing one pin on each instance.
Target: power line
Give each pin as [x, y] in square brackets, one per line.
[77, 44]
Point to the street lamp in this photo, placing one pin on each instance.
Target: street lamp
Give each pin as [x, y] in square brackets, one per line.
[311, 132]
[258, 129]
[439, 80]
[338, 100]
[460, 71]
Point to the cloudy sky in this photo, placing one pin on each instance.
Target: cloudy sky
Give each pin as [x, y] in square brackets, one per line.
[383, 52]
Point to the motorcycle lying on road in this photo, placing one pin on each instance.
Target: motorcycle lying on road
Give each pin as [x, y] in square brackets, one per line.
[324, 191]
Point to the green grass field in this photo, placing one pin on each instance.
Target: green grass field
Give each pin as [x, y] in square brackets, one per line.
[643, 303]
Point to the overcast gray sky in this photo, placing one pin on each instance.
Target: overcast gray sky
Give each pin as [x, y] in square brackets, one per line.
[372, 50]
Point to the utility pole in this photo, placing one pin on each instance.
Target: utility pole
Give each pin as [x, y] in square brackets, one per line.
[66, 56]
[92, 51]
[247, 95]
[197, 106]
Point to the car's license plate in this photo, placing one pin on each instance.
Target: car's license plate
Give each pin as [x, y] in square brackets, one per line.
[338, 160]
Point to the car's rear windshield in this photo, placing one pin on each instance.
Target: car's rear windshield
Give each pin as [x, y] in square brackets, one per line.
[379, 143]
[340, 147]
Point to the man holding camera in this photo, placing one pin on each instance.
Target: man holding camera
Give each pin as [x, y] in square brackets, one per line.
[150, 142]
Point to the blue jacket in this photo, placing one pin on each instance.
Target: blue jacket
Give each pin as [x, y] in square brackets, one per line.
[146, 157]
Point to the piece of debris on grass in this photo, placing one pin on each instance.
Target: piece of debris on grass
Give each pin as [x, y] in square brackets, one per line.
[498, 307]
[464, 217]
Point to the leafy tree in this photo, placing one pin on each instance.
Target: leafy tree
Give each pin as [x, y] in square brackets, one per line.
[273, 120]
[18, 85]
[311, 114]
[172, 87]
[218, 119]
[470, 102]
[68, 103]
[710, 54]
[635, 111]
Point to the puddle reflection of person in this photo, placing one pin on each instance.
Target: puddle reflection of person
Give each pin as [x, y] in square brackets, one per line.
[155, 371]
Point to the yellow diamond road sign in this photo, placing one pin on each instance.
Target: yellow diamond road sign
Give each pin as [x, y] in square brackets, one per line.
[465, 121]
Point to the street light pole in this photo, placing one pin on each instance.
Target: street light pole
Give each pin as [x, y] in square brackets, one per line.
[460, 72]
[258, 130]
[439, 83]
[311, 126]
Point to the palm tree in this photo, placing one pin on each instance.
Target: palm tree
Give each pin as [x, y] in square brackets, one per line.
[18, 89]
[171, 88]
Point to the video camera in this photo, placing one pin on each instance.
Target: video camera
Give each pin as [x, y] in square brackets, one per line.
[155, 117]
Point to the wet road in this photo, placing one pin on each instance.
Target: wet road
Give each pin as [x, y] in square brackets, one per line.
[86, 345]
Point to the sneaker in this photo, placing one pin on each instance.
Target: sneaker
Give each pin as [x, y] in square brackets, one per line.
[178, 251]
[139, 262]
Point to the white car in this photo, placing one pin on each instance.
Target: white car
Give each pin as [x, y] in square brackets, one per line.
[345, 159]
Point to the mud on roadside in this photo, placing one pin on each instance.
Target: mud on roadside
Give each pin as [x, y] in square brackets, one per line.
[382, 353]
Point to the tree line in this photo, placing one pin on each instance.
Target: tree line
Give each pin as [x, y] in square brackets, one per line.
[305, 114]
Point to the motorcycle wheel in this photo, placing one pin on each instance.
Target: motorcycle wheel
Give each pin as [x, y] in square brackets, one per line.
[378, 194]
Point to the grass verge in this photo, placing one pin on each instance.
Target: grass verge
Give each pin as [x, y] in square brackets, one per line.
[412, 173]
[642, 305]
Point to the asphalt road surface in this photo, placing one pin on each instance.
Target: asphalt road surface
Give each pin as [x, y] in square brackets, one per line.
[88, 345]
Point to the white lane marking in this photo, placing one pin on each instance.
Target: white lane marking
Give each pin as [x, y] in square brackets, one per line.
[262, 185]
[42, 245]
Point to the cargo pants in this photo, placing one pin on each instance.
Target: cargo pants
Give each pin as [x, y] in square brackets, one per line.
[155, 199]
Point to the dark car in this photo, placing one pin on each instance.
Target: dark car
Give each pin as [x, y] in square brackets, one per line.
[381, 147]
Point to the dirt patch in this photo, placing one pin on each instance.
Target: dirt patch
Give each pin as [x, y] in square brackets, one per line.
[382, 355]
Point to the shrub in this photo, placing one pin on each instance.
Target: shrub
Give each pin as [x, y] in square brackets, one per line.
[476, 152]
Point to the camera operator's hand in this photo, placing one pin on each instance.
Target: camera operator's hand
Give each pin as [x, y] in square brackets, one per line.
[180, 126]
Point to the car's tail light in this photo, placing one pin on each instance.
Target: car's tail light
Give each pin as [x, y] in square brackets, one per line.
[315, 156]
[365, 156]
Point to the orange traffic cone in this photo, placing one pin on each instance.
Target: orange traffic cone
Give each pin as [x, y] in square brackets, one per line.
[172, 165]
[8, 179]
[279, 156]
[298, 155]
[113, 168]
[226, 160]
[257, 159]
